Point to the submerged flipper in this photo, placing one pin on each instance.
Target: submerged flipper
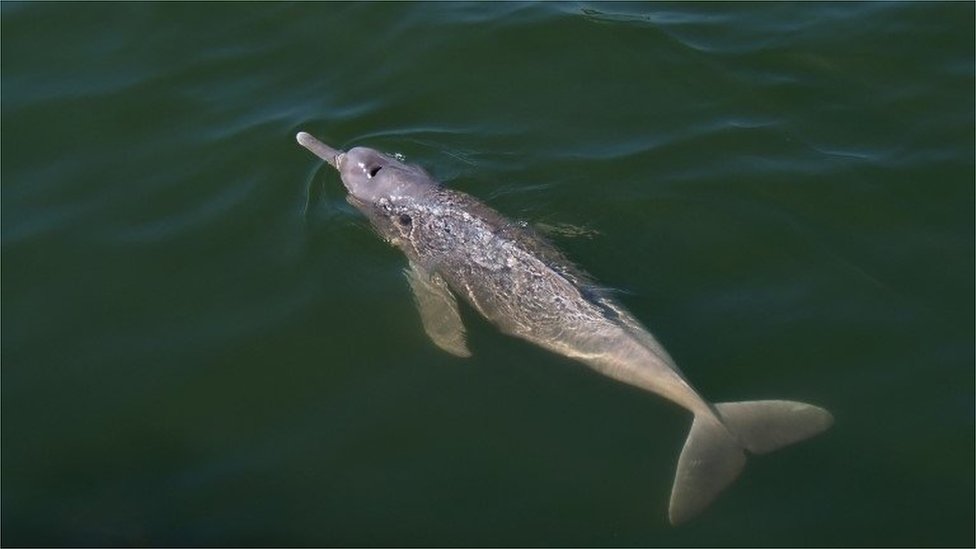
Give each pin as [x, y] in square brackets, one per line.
[438, 310]
[714, 453]
[566, 230]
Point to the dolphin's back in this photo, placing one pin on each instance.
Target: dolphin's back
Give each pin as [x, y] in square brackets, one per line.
[509, 273]
[526, 287]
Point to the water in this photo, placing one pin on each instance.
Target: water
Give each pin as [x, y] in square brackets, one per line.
[203, 344]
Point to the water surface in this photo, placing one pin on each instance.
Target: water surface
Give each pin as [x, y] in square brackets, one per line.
[203, 344]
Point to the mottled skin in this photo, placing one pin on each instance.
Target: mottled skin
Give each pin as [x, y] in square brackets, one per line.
[523, 285]
[526, 287]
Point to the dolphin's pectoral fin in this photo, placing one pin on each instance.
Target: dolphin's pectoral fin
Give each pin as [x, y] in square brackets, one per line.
[438, 310]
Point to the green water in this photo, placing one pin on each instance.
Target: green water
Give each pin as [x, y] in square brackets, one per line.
[202, 344]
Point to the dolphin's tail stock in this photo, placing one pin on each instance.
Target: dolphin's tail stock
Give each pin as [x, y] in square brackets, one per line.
[715, 451]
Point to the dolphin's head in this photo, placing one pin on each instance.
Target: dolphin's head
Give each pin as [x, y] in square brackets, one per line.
[371, 176]
[382, 187]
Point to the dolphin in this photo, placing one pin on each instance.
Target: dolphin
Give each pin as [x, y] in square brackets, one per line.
[456, 245]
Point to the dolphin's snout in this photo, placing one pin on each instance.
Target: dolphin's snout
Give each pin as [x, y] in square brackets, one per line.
[320, 149]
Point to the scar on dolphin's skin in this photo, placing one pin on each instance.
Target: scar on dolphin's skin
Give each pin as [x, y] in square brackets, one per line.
[457, 246]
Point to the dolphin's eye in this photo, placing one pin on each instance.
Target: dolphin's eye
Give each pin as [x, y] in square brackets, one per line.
[374, 170]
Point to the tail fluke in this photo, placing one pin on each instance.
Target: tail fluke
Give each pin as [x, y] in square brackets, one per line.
[766, 425]
[714, 454]
[710, 461]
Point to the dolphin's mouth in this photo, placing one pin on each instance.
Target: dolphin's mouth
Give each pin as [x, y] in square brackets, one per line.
[332, 156]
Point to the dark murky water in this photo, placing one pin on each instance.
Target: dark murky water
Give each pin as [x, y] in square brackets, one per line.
[202, 344]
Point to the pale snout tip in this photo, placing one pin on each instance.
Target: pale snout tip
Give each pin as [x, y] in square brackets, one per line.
[304, 139]
[318, 148]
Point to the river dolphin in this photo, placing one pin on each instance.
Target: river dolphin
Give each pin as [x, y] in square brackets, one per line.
[455, 245]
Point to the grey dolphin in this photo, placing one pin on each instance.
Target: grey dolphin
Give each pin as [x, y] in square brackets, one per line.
[522, 284]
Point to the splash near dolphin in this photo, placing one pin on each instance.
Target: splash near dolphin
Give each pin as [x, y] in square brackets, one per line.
[457, 246]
